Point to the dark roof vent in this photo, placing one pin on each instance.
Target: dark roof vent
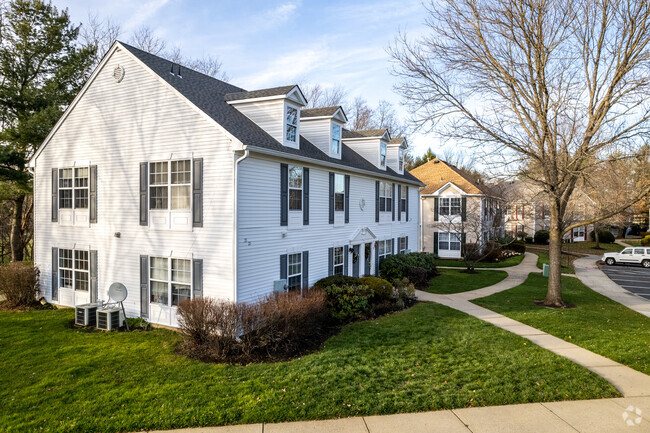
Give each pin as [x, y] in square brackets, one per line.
[436, 161]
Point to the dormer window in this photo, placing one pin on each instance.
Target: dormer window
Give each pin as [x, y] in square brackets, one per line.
[401, 160]
[336, 139]
[382, 155]
[292, 124]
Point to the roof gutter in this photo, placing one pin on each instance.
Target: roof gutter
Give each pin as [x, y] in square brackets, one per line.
[285, 155]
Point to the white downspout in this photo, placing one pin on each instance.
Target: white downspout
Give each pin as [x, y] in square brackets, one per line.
[421, 206]
[235, 226]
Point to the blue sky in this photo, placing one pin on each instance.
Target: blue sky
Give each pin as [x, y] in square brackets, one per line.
[269, 43]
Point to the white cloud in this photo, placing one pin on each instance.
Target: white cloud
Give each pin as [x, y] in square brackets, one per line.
[143, 13]
[281, 13]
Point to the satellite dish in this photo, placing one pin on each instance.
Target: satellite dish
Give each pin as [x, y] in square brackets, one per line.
[117, 292]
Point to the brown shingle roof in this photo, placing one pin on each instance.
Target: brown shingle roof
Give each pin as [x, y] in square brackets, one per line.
[317, 112]
[396, 140]
[367, 133]
[436, 173]
[274, 91]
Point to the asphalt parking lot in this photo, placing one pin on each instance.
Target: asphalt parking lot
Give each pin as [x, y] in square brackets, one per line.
[631, 277]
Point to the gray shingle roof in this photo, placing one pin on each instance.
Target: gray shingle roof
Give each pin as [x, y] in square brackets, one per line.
[262, 93]
[317, 112]
[208, 94]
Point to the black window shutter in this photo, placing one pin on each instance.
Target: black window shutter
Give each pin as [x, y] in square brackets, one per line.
[377, 201]
[331, 217]
[407, 242]
[407, 203]
[92, 202]
[377, 259]
[55, 274]
[398, 244]
[347, 198]
[55, 194]
[197, 282]
[435, 243]
[392, 246]
[463, 238]
[305, 269]
[144, 205]
[305, 196]
[435, 209]
[463, 211]
[93, 276]
[144, 286]
[399, 202]
[345, 259]
[197, 193]
[330, 262]
[284, 194]
[392, 201]
[283, 267]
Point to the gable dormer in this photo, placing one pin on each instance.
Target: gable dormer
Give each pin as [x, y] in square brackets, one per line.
[372, 144]
[396, 152]
[323, 127]
[275, 110]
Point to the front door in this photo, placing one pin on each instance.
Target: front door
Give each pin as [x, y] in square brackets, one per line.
[367, 258]
[355, 260]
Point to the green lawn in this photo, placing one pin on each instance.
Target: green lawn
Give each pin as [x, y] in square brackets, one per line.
[587, 247]
[542, 258]
[456, 281]
[426, 358]
[457, 263]
[597, 324]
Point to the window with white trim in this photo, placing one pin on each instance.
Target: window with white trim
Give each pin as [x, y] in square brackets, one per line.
[294, 271]
[401, 160]
[338, 261]
[292, 124]
[170, 179]
[449, 241]
[382, 155]
[336, 139]
[402, 245]
[170, 280]
[450, 206]
[339, 192]
[74, 269]
[402, 200]
[295, 188]
[385, 196]
[73, 188]
[384, 249]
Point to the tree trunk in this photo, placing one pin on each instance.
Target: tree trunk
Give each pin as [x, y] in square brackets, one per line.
[554, 293]
[596, 237]
[17, 230]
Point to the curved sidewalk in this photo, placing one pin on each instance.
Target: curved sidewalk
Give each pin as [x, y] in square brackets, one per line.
[629, 382]
[587, 271]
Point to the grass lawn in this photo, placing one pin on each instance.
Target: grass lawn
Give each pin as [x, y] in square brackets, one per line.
[428, 357]
[587, 247]
[597, 324]
[633, 242]
[455, 281]
[457, 263]
[542, 258]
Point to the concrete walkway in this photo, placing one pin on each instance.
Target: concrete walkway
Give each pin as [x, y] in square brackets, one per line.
[629, 382]
[583, 416]
[587, 271]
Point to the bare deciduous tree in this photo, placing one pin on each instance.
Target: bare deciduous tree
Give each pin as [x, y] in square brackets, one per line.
[553, 85]
[145, 39]
[318, 97]
[99, 33]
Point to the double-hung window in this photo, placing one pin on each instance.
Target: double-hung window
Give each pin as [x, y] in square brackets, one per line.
[385, 196]
[170, 179]
[384, 249]
[74, 269]
[292, 124]
[294, 271]
[402, 245]
[339, 192]
[402, 201]
[336, 139]
[450, 206]
[401, 160]
[295, 188]
[73, 188]
[170, 280]
[382, 155]
[449, 241]
[338, 261]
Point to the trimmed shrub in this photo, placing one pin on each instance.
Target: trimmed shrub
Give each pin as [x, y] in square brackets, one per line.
[19, 284]
[336, 280]
[382, 289]
[541, 237]
[529, 239]
[516, 246]
[604, 236]
[348, 303]
[396, 266]
[646, 241]
[419, 277]
[521, 235]
[279, 326]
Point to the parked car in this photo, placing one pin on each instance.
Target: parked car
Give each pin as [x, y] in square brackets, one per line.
[629, 255]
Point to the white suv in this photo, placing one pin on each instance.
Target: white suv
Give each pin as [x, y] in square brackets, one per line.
[629, 255]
